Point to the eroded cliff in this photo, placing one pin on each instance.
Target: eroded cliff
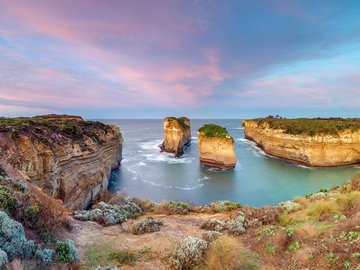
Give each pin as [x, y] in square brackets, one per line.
[216, 147]
[68, 158]
[323, 146]
[177, 135]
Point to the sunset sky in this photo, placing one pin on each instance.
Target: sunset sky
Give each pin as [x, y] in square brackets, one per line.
[202, 59]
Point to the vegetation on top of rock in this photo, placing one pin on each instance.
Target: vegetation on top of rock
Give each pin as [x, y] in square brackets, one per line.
[107, 214]
[181, 120]
[189, 253]
[37, 127]
[214, 131]
[311, 126]
[146, 225]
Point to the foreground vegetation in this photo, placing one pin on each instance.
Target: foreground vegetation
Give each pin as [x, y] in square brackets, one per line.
[23, 214]
[318, 231]
[310, 126]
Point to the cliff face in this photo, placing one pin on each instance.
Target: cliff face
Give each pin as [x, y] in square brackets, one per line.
[216, 151]
[316, 150]
[177, 134]
[69, 159]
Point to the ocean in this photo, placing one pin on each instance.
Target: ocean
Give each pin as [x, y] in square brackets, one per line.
[257, 180]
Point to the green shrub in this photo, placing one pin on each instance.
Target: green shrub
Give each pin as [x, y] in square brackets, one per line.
[45, 256]
[212, 130]
[66, 251]
[108, 214]
[146, 225]
[13, 240]
[189, 253]
[270, 248]
[3, 259]
[7, 200]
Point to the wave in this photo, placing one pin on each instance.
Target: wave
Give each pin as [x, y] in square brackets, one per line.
[151, 145]
[238, 128]
[252, 146]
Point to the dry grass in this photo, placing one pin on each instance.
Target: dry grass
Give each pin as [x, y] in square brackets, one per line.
[323, 207]
[348, 200]
[228, 253]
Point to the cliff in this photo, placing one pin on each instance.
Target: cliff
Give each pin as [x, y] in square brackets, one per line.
[313, 142]
[68, 158]
[216, 147]
[177, 135]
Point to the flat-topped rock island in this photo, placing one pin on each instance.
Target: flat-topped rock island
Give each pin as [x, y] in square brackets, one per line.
[216, 147]
[318, 142]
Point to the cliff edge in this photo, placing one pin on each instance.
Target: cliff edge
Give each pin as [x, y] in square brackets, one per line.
[68, 158]
[177, 135]
[216, 147]
[315, 142]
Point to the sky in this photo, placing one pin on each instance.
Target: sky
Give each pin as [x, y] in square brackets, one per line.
[201, 59]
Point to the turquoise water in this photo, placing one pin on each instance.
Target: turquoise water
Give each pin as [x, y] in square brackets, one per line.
[257, 179]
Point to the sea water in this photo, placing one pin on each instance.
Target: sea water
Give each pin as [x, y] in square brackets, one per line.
[257, 179]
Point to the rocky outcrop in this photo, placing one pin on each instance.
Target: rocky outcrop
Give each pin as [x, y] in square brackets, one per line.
[318, 150]
[177, 135]
[216, 147]
[68, 158]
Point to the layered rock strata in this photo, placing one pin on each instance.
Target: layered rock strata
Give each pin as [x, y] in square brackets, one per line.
[318, 150]
[68, 158]
[177, 135]
[216, 147]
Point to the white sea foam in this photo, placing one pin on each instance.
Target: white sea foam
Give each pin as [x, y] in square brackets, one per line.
[151, 145]
[238, 128]
[257, 151]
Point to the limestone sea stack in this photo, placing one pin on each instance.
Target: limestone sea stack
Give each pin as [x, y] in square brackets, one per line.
[177, 135]
[68, 158]
[318, 142]
[216, 147]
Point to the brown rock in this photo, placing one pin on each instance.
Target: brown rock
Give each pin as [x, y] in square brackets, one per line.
[216, 149]
[317, 150]
[177, 135]
[69, 160]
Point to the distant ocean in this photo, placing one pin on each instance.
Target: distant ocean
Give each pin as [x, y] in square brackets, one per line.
[257, 179]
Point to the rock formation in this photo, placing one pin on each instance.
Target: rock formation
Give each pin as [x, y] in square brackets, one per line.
[177, 135]
[337, 148]
[216, 147]
[68, 158]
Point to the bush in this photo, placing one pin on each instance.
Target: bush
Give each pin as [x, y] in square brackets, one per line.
[319, 208]
[107, 268]
[189, 253]
[45, 256]
[173, 208]
[108, 214]
[13, 240]
[7, 200]
[227, 253]
[66, 251]
[147, 225]
[232, 226]
[3, 259]
[211, 236]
